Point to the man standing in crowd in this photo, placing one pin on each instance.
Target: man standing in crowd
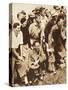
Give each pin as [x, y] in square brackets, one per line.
[17, 62]
[24, 27]
[58, 46]
[36, 59]
[35, 31]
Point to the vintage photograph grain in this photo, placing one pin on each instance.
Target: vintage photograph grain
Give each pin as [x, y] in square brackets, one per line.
[37, 44]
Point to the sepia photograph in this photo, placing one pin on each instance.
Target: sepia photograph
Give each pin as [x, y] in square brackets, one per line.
[37, 44]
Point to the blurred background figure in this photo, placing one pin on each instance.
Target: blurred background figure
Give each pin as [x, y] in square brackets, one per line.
[55, 35]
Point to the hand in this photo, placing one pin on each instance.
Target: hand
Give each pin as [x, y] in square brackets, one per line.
[20, 58]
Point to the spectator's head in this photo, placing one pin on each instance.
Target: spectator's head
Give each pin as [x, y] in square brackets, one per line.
[36, 44]
[16, 28]
[37, 10]
[21, 15]
[48, 13]
[36, 47]
[60, 20]
[54, 17]
[24, 23]
[43, 13]
[31, 15]
[23, 20]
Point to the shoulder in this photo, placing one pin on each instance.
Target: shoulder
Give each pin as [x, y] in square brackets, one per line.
[33, 24]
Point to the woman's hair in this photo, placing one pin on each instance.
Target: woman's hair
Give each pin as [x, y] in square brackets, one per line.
[15, 25]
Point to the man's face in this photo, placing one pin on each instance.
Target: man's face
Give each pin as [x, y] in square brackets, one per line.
[48, 13]
[21, 16]
[24, 24]
[37, 47]
[60, 22]
[17, 30]
[37, 44]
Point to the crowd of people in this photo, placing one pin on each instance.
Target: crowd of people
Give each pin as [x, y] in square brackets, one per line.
[37, 44]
